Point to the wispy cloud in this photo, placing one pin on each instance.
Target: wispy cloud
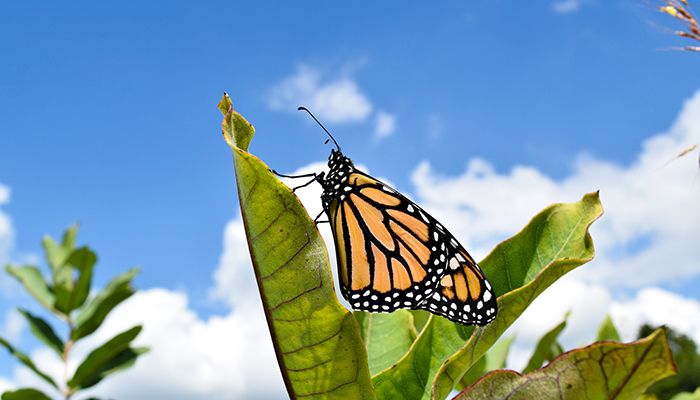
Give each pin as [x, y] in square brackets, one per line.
[13, 327]
[385, 124]
[334, 99]
[435, 126]
[7, 233]
[566, 6]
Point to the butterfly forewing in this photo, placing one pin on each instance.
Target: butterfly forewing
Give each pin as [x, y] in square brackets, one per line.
[387, 256]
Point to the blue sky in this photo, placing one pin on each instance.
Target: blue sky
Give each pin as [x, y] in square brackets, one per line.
[108, 111]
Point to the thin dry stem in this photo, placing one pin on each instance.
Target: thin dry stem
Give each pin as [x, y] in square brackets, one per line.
[680, 10]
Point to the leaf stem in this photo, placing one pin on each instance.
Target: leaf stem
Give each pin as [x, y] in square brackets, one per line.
[67, 392]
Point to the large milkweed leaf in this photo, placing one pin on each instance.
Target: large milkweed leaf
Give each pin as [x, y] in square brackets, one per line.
[317, 341]
[30, 277]
[553, 243]
[603, 370]
[546, 348]
[387, 337]
[43, 331]
[25, 394]
[24, 359]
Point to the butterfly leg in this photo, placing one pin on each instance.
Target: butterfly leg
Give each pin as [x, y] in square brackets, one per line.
[304, 185]
[295, 176]
[316, 221]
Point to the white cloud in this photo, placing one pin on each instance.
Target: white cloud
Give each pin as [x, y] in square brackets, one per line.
[190, 358]
[657, 307]
[7, 239]
[589, 303]
[435, 126]
[7, 235]
[647, 236]
[566, 6]
[385, 124]
[12, 329]
[337, 99]
[650, 228]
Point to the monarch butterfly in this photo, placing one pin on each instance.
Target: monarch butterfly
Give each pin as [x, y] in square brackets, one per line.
[391, 253]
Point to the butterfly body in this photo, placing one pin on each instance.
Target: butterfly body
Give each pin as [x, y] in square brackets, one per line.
[392, 254]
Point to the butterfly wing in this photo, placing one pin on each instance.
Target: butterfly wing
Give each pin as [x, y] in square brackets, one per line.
[392, 254]
[385, 250]
[463, 294]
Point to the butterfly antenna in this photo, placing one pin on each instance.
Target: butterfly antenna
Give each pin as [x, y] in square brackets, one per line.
[321, 125]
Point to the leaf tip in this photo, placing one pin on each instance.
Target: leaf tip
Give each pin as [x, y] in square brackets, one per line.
[225, 105]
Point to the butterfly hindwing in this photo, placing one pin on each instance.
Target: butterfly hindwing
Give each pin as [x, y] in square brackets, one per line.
[463, 294]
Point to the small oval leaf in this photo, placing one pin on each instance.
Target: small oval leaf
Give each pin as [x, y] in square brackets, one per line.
[25, 394]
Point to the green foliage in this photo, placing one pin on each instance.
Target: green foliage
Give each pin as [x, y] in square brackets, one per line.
[494, 359]
[25, 394]
[687, 395]
[603, 370]
[387, 337]
[412, 354]
[547, 347]
[608, 331]
[687, 358]
[66, 296]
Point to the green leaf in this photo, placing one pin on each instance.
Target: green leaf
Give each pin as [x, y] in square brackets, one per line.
[237, 131]
[43, 331]
[410, 377]
[93, 314]
[56, 254]
[317, 340]
[545, 346]
[607, 331]
[604, 370]
[24, 359]
[494, 359]
[554, 242]
[687, 395]
[121, 361]
[420, 317]
[387, 337]
[83, 260]
[112, 356]
[25, 394]
[63, 287]
[32, 280]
